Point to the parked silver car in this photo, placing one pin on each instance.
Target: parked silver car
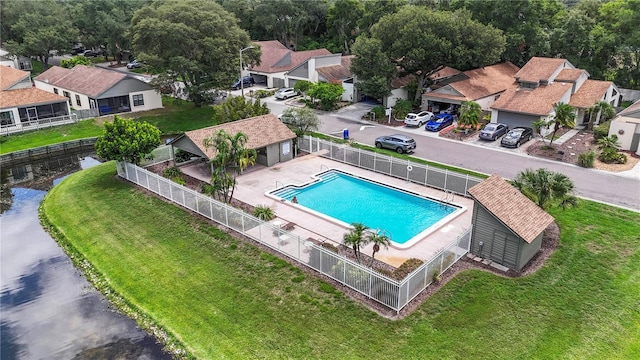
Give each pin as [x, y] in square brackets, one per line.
[398, 142]
[285, 93]
[493, 131]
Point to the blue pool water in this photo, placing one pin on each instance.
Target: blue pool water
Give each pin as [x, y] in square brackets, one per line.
[350, 199]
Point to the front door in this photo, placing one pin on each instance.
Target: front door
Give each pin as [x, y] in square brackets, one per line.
[32, 114]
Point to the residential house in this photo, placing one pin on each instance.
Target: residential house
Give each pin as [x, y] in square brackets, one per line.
[333, 68]
[16, 62]
[277, 60]
[507, 226]
[483, 85]
[543, 82]
[108, 91]
[23, 107]
[266, 134]
[626, 126]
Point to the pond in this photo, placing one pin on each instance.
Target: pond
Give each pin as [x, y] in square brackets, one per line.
[49, 310]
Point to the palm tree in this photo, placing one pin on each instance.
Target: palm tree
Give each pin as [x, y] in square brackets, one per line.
[540, 124]
[230, 154]
[610, 142]
[377, 239]
[602, 110]
[355, 238]
[546, 188]
[469, 114]
[565, 116]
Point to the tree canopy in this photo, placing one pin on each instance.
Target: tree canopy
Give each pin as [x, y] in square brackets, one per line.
[197, 42]
[420, 41]
[127, 140]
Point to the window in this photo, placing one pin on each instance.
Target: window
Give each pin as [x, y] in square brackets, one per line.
[68, 96]
[6, 118]
[25, 65]
[55, 91]
[138, 100]
[78, 102]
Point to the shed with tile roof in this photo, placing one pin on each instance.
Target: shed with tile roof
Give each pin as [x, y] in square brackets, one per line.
[266, 134]
[507, 226]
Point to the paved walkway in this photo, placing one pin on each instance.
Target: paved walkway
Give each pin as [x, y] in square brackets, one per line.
[253, 185]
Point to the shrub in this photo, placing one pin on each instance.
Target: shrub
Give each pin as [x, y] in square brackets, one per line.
[586, 159]
[329, 246]
[172, 172]
[407, 268]
[402, 108]
[601, 131]
[179, 180]
[263, 93]
[181, 156]
[379, 111]
[612, 156]
[264, 212]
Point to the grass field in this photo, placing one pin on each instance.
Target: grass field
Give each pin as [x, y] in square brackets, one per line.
[176, 117]
[222, 298]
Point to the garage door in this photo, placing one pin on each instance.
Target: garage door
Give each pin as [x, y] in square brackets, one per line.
[515, 120]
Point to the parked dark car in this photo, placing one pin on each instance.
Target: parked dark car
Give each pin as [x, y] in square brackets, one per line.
[77, 49]
[516, 137]
[440, 122]
[398, 142]
[493, 131]
[246, 81]
[90, 53]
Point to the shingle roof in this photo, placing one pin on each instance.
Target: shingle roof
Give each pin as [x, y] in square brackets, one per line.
[511, 207]
[445, 72]
[28, 96]
[589, 93]
[538, 101]
[10, 76]
[260, 130]
[87, 80]
[570, 75]
[337, 72]
[631, 109]
[277, 58]
[481, 82]
[539, 68]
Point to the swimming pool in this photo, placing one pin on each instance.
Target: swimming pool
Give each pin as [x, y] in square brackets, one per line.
[403, 216]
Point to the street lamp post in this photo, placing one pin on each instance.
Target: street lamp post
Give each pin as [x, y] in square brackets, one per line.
[241, 79]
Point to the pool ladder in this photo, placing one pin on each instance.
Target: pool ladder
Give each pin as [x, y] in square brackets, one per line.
[447, 198]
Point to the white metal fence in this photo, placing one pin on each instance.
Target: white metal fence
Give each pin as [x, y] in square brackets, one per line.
[38, 124]
[392, 293]
[447, 180]
[44, 151]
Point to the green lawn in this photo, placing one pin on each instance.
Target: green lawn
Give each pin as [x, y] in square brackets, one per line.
[53, 135]
[223, 298]
[176, 117]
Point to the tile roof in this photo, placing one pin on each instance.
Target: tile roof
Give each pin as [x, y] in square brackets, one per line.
[260, 130]
[539, 68]
[538, 101]
[277, 58]
[333, 73]
[589, 93]
[481, 82]
[511, 207]
[87, 80]
[28, 96]
[570, 75]
[10, 76]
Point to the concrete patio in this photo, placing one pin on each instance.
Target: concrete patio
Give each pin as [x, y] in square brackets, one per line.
[254, 183]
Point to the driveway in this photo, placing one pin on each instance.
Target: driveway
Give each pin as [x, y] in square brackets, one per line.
[489, 158]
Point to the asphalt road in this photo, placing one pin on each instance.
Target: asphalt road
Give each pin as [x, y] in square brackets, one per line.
[593, 184]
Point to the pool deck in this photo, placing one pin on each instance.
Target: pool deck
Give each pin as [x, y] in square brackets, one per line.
[253, 184]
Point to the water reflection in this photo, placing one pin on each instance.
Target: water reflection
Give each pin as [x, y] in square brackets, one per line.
[49, 311]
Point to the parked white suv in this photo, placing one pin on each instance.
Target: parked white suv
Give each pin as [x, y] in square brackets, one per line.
[285, 93]
[418, 119]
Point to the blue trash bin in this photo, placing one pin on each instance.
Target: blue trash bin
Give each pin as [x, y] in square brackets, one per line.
[345, 134]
